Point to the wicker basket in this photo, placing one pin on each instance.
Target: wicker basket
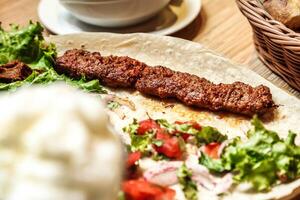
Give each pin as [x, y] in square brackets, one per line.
[277, 46]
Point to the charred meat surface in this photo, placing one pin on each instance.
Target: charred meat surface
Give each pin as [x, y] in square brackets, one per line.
[122, 71]
[14, 71]
[112, 71]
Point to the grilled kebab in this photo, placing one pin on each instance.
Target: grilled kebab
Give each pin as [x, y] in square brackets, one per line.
[126, 72]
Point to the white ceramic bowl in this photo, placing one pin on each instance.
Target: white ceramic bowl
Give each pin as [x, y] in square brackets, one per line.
[114, 13]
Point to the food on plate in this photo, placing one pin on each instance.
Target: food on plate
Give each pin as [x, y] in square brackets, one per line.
[285, 11]
[157, 153]
[173, 151]
[123, 71]
[14, 71]
[262, 159]
[57, 148]
[162, 140]
[84, 70]
[26, 47]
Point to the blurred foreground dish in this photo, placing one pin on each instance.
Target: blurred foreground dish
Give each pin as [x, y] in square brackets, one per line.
[56, 143]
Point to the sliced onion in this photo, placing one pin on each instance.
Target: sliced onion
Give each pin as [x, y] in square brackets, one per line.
[223, 184]
[222, 147]
[202, 177]
[164, 174]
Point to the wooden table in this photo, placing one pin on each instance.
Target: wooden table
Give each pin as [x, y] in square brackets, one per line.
[220, 26]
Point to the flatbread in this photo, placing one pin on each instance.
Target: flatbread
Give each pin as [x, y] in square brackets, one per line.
[185, 56]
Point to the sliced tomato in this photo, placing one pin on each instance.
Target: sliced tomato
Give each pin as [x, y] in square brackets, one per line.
[170, 148]
[196, 125]
[140, 189]
[132, 158]
[185, 136]
[147, 125]
[179, 122]
[212, 149]
[162, 135]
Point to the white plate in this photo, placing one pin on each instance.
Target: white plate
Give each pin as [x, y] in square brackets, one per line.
[170, 20]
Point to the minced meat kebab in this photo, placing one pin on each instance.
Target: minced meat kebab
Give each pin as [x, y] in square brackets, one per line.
[14, 71]
[126, 72]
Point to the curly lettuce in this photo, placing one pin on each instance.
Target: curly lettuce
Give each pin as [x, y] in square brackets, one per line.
[27, 45]
[263, 160]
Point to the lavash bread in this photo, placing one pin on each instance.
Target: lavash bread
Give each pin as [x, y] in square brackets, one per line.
[185, 56]
[285, 11]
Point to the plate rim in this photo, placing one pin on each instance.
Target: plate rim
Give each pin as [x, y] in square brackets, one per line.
[48, 23]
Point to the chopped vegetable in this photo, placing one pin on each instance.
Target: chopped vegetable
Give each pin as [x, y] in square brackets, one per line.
[132, 158]
[172, 148]
[214, 165]
[186, 129]
[188, 186]
[212, 150]
[149, 138]
[203, 134]
[131, 128]
[263, 160]
[141, 142]
[140, 189]
[158, 143]
[147, 126]
[112, 105]
[209, 134]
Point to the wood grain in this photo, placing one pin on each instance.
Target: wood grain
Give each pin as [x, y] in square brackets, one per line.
[220, 26]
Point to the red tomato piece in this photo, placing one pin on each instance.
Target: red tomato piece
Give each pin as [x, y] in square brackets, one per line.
[170, 148]
[185, 136]
[212, 150]
[196, 125]
[147, 125]
[140, 189]
[179, 122]
[132, 158]
[162, 135]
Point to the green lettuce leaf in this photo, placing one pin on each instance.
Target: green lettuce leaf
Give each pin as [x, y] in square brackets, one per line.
[87, 86]
[214, 165]
[138, 142]
[188, 186]
[209, 134]
[28, 45]
[263, 160]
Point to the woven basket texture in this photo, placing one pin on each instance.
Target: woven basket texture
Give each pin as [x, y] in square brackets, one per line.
[278, 46]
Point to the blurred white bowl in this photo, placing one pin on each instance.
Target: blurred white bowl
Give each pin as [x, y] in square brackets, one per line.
[114, 13]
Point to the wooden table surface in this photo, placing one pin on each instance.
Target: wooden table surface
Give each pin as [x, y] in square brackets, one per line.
[220, 26]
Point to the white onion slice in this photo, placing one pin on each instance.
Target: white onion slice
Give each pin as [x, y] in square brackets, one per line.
[165, 174]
